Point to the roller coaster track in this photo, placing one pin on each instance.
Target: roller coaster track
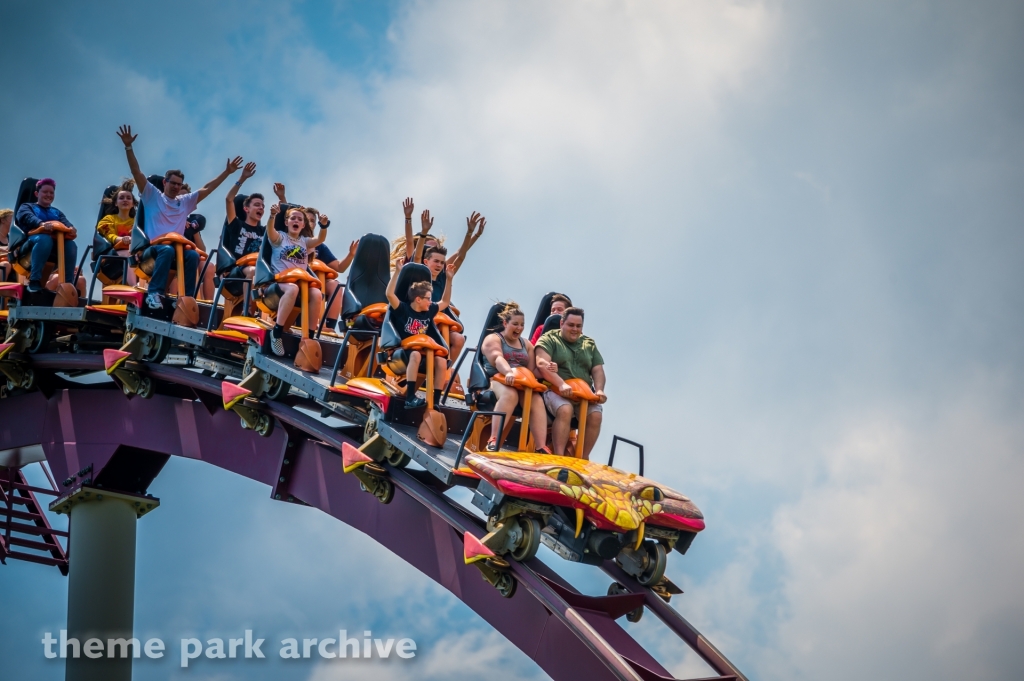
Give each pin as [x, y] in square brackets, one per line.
[91, 434]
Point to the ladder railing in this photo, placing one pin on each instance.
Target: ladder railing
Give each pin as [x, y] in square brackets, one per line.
[25, 531]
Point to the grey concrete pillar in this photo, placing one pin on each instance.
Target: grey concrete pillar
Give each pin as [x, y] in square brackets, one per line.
[101, 582]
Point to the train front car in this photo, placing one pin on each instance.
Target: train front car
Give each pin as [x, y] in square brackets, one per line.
[589, 512]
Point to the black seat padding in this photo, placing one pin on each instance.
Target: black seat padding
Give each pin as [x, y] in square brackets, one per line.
[551, 323]
[410, 274]
[226, 247]
[367, 278]
[478, 390]
[543, 312]
[18, 233]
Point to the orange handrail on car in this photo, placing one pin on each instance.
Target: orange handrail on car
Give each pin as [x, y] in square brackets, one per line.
[524, 379]
[295, 275]
[247, 260]
[581, 391]
[375, 311]
[422, 341]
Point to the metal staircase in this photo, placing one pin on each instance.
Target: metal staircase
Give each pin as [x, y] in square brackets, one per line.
[25, 531]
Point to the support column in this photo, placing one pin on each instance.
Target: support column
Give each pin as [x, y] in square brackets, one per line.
[101, 584]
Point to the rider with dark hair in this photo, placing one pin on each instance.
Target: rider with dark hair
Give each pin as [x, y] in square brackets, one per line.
[33, 218]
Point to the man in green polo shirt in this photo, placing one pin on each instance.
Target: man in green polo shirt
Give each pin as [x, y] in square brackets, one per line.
[566, 353]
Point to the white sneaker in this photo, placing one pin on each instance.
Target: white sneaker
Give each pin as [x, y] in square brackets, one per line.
[277, 345]
[153, 301]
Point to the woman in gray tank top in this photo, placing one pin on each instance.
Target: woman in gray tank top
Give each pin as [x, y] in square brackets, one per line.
[290, 248]
[501, 353]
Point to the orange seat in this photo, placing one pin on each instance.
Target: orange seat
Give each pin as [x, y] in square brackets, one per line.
[320, 267]
[295, 275]
[581, 391]
[248, 260]
[375, 312]
[524, 379]
[422, 341]
[442, 320]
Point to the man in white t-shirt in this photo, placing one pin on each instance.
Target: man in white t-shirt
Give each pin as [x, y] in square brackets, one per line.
[167, 212]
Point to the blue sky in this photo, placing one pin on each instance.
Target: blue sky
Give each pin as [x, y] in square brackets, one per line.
[795, 228]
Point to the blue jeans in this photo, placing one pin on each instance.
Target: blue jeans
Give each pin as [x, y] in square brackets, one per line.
[165, 260]
[44, 249]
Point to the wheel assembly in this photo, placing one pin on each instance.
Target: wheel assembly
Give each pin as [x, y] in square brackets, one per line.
[529, 538]
[506, 585]
[264, 425]
[616, 589]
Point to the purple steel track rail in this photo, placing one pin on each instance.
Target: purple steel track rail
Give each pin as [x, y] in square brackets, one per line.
[568, 634]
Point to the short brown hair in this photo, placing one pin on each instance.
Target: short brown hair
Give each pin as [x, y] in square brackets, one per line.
[174, 171]
[435, 249]
[560, 298]
[5, 212]
[420, 289]
[572, 310]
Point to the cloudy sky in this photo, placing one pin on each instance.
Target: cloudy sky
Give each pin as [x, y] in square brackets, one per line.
[796, 230]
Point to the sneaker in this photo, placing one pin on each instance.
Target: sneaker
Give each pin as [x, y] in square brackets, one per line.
[35, 287]
[154, 302]
[414, 402]
[492, 445]
[277, 344]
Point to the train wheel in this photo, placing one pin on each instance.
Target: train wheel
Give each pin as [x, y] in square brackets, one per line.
[277, 389]
[530, 540]
[264, 425]
[657, 560]
[506, 585]
[35, 337]
[397, 458]
[28, 381]
[385, 491]
[145, 390]
[616, 589]
[155, 348]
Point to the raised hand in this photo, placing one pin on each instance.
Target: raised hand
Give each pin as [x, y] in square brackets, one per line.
[323, 220]
[408, 208]
[451, 269]
[275, 208]
[353, 246]
[480, 229]
[125, 133]
[426, 222]
[248, 171]
[279, 190]
[233, 164]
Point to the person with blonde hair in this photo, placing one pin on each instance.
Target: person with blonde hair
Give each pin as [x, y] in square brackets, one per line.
[502, 352]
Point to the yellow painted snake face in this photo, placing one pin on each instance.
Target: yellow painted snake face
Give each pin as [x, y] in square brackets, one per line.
[611, 498]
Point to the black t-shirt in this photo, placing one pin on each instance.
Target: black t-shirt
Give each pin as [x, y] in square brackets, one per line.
[437, 293]
[324, 254]
[246, 237]
[409, 322]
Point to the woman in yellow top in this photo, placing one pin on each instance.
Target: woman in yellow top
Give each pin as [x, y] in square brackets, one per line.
[116, 226]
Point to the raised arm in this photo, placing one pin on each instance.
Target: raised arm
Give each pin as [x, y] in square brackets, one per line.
[446, 298]
[475, 224]
[125, 133]
[272, 233]
[407, 207]
[279, 192]
[346, 262]
[390, 292]
[229, 201]
[232, 165]
[426, 222]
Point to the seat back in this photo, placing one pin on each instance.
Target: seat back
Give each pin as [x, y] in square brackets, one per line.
[478, 380]
[390, 338]
[19, 233]
[551, 323]
[229, 240]
[367, 277]
[543, 312]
